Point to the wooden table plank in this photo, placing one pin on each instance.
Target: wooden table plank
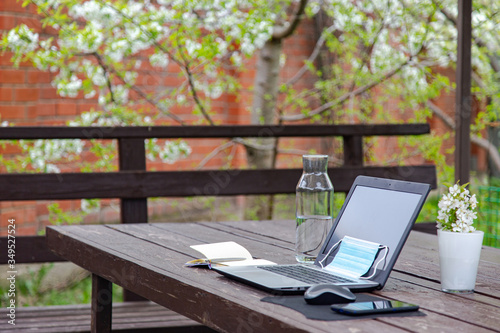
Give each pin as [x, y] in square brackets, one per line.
[148, 259]
[196, 293]
[283, 230]
[270, 249]
[420, 257]
[467, 311]
[164, 235]
[186, 232]
[415, 244]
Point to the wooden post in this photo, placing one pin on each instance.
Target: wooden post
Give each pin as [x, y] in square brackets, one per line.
[463, 105]
[132, 156]
[353, 150]
[102, 304]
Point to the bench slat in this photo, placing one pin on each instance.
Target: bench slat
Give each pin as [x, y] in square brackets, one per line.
[142, 184]
[127, 317]
[223, 131]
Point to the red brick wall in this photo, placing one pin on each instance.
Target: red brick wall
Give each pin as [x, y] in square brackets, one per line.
[27, 98]
[26, 95]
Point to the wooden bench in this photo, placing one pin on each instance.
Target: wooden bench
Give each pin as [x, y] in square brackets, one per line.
[128, 317]
[132, 184]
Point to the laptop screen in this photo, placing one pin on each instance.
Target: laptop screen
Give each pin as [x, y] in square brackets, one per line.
[376, 215]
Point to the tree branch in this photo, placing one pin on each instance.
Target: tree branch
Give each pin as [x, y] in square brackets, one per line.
[495, 64]
[183, 64]
[448, 121]
[106, 71]
[133, 87]
[312, 57]
[365, 59]
[345, 97]
[213, 153]
[355, 92]
[196, 98]
[194, 93]
[481, 142]
[289, 29]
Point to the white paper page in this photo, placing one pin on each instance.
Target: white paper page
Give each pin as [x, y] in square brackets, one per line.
[251, 262]
[225, 250]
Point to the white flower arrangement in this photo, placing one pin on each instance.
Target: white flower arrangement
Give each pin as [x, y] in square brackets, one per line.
[457, 210]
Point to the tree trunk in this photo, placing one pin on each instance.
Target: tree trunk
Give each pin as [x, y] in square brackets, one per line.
[264, 101]
[263, 112]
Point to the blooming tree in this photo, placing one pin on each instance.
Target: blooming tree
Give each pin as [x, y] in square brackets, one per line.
[382, 61]
[100, 46]
[368, 54]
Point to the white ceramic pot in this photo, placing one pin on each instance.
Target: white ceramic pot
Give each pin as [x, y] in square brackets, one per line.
[459, 258]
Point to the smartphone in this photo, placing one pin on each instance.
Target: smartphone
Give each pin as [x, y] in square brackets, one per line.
[383, 306]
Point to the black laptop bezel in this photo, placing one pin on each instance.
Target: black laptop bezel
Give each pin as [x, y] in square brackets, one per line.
[382, 183]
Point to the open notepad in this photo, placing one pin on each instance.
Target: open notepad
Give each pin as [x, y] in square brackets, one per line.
[226, 254]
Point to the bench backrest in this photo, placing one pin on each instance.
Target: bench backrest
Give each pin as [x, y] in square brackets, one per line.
[132, 184]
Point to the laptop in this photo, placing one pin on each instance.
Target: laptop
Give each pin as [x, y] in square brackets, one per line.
[376, 210]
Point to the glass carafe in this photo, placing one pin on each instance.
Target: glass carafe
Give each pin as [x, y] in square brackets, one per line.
[314, 208]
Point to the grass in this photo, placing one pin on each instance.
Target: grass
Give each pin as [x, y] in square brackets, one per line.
[429, 210]
[30, 292]
[489, 215]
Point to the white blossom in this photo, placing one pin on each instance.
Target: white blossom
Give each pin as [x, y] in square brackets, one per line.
[120, 94]
[454, 190]
[473, 201]
[91, 205]
[236, 59]
[159, 60]
[170, 152]
[44, 153]
[192, 47]
[457, 210]
[90, 94]
[22, 39]
[102, 100]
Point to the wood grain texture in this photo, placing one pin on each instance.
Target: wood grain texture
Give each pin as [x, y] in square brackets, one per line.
[127, 318]
[157, 273]
[353, 150]
[142, 184]
[101, 305]
[133, 185]
[132, 156]
[226, 131]
[28, 249]
[148, 259]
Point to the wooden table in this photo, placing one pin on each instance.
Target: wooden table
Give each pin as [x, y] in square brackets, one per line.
[148, 259]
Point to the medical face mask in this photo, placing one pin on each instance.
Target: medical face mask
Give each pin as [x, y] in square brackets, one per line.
[355, 257]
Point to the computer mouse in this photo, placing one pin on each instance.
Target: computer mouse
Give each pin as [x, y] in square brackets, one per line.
[322, 294]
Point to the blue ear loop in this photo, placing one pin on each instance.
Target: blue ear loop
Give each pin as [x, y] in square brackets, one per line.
[376, 265]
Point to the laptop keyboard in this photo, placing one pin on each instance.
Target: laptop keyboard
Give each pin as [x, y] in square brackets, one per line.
[305, 274]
